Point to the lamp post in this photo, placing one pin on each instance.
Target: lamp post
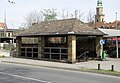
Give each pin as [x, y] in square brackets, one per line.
[5, 26]
[116, 39]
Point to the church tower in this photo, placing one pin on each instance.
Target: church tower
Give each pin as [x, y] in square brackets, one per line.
[99, 17]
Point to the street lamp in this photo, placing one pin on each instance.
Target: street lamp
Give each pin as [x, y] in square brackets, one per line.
[5, 26]
[11, 1]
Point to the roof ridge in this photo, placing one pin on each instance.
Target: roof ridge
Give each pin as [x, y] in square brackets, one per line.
[74, 24]
[58, 20]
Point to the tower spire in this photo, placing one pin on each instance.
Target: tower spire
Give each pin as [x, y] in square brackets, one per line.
[99, 3]
[99, 17]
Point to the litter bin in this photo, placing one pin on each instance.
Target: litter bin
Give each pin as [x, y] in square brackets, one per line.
[103, 55]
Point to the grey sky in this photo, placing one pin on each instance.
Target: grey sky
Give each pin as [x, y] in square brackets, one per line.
[15, 13]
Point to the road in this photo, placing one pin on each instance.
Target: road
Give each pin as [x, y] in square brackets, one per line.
[14, 73]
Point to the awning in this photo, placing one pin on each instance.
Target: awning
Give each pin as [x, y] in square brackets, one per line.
[115, 39]
[110, 32]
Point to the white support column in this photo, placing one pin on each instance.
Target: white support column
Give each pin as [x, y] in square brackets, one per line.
[72, 49]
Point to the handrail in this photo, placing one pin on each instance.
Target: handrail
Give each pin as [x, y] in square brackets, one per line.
[55, 48]
[113, 53]
[84, 53]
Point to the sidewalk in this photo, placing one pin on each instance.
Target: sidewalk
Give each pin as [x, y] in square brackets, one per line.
[89, 65]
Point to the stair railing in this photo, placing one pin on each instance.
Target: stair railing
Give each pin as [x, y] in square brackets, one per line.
[84, 55]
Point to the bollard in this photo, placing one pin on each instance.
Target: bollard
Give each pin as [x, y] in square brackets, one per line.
[112, 68]
[98, 66]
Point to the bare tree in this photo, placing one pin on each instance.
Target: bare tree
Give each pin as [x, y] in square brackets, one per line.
[90, 18]
[75, 14]
[49, 14]
[63, 14]
[32, 17]
[36, 17]
[78, 14]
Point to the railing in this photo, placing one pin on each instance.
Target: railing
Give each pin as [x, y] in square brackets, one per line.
[55, 53]
[31, 52]
[113, 54]
[83, 56]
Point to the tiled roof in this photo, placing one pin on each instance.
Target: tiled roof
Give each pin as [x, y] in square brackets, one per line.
[106, 25]
[59, 27]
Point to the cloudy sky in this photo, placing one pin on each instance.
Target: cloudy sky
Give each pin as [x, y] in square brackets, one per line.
[15, 13]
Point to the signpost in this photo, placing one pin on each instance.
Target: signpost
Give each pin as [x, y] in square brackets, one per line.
[116, 39]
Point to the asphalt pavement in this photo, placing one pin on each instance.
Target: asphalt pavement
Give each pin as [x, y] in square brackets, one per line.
[19, 73]
[106, 65]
